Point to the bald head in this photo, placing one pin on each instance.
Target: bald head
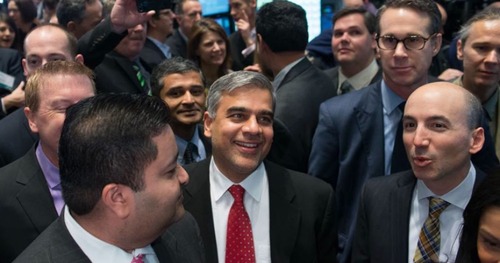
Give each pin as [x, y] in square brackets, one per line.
[450, 97]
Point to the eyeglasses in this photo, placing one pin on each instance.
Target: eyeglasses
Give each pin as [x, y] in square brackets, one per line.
[414, 42]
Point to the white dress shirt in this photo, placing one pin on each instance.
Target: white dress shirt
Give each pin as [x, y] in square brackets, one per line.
[99, 251]
[450, 220]
[256, 201]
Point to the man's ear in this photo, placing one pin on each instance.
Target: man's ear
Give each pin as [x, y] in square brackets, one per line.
[438, 40]
[207, 124]
[460, 50]
[119, 199]
[31, 119]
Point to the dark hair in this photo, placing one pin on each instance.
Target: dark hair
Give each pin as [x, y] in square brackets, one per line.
[487, 195]
[72, 10]
[171, 66]
[368, 18]
[283, 26]
[425, 7]
[27, 9]
[199, 29]
[108, 139]
[10, 22]
[72, 41]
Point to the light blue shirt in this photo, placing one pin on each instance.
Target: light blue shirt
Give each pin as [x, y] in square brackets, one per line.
[165, 49]
[392, 115]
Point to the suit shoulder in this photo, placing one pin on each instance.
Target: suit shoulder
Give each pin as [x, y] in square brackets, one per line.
[301, 181]
[351, 99]
[390, 181]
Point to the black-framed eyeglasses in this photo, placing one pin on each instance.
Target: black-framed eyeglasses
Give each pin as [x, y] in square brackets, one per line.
[414, 42]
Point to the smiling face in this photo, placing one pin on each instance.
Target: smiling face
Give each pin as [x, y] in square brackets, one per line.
[481, 56]
[212, 49]
[352, 43]
[55, 94]
[7, 35]
[241, 131]
[437, 136]
[185, 96]
[405, 70]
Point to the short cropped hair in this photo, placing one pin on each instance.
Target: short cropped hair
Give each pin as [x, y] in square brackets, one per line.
[283, 26]
[368, 18]
[487, 14]
[47, 71]
[426, 7]
[233, 81]
[174, 65]
[72, 10]
[108, 139]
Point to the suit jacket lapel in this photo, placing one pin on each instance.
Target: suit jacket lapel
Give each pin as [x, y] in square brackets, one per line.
[370, 120]
[295, 71]
[35, 198]
[197, 201]
[284, 215]
[160, 248]
[400, 215]
[126, 66]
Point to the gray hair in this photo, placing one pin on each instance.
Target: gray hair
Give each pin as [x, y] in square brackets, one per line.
[487, 14]
[233, 81]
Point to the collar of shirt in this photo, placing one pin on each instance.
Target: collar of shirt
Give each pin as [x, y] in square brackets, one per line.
[182, 145]
[362, 78]
[165, 49]
[100, 251]
[50, 171]
[390, 100]
[458, 196]
[182, 34]
[281, 75]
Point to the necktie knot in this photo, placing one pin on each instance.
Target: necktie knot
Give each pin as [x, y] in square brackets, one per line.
[189, 153]
[346, 87]
[437, 206]
[138, 259]
[237, 191]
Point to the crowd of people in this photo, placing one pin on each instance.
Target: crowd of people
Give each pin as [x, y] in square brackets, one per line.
[159, 137]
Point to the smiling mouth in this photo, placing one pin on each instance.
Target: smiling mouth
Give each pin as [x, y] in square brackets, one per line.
[247, 145]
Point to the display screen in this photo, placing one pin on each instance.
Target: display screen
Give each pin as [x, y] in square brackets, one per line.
[213, 7]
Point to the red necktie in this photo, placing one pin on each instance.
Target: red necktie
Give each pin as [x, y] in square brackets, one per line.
[239, 239]
[138, 259]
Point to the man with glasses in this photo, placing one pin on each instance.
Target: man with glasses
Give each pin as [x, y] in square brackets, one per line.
[357, 136]
[160, 26]
[187, 12]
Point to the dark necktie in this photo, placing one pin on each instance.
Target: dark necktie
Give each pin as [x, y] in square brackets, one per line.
[346, 87]
[399, 161]
[429, 240]
[239, 235]
[189, 153]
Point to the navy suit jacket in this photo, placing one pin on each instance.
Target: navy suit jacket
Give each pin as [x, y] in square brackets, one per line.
[181, 243]
[382, 225]
[298, 98]
[11, 65]
[348, 149]
[177, 44]
[16, 137]
[237, 43]
[151, 55]
[302, 219]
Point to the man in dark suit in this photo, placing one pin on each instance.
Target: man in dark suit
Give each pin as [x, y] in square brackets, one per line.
[187, 12]
[30, 191]
[79, 16]
[442, 128]
[289, 215]
[300, 87]
[116, 210]
[244, 39]
[354, 48]
[180, 83]
[160, 26]
[357, 132]
[11, 97]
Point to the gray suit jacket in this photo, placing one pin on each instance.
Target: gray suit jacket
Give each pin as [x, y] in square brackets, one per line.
[181, 243]
[302, 219]
[382, 225]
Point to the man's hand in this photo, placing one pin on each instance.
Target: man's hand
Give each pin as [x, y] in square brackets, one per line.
[16, 98]
[244, 28]
[124, 15]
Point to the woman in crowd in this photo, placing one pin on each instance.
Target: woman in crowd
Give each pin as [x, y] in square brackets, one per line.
[24, 13]
[209, 48]
[7, 32]
[480, 240]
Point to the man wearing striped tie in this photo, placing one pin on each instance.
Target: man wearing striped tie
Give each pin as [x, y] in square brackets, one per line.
[416, 215]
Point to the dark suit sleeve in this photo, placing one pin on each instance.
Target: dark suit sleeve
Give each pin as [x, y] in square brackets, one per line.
[360, 242]
[323, 161]
[327, 244]
[96, 43]
[486, 159]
